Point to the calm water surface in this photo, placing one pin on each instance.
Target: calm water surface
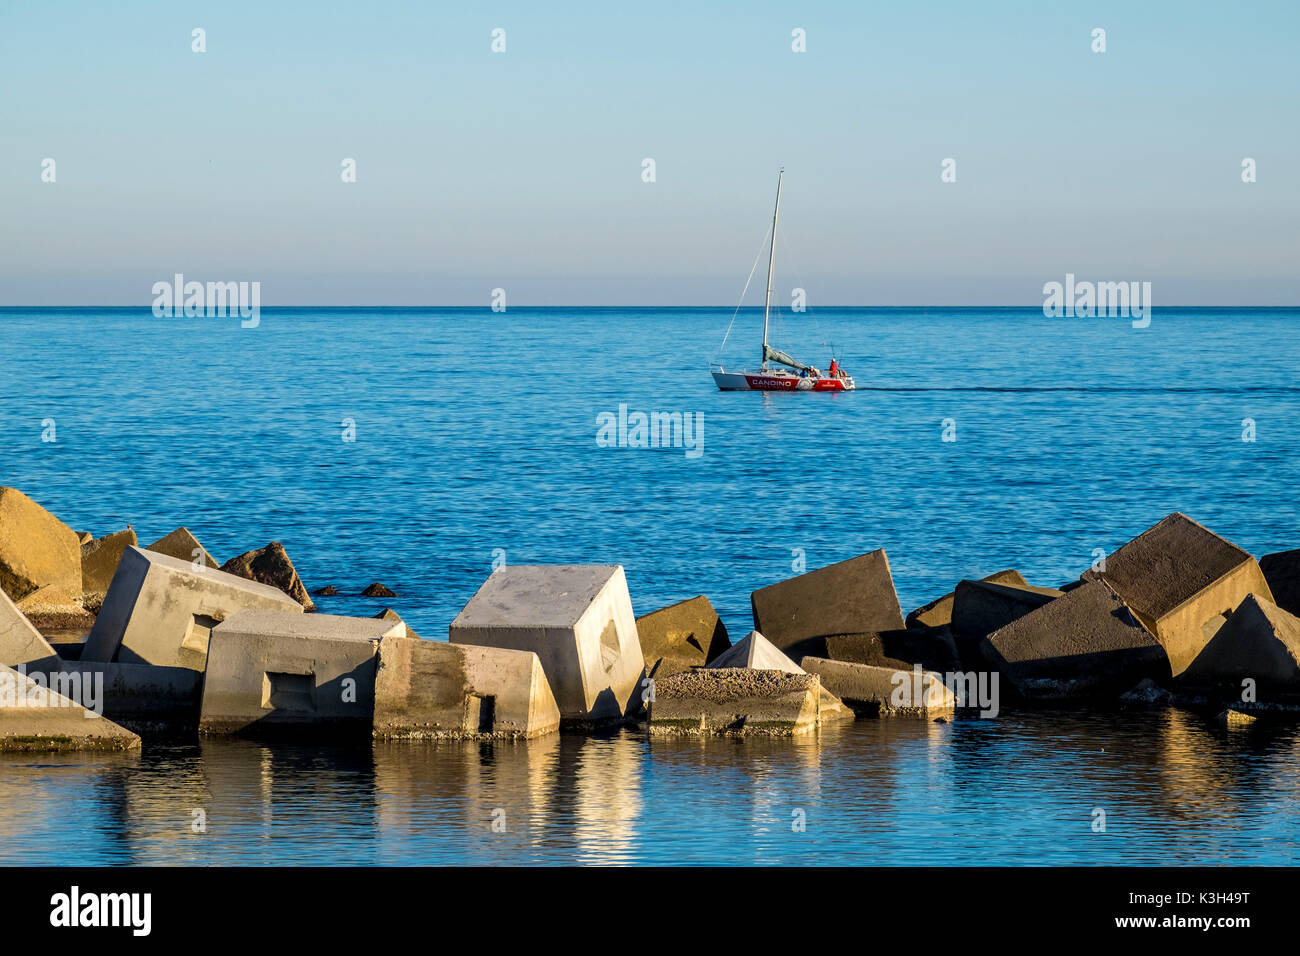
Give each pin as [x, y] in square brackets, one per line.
[475, 435]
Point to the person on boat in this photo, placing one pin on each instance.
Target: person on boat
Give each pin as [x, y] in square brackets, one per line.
[834, 369]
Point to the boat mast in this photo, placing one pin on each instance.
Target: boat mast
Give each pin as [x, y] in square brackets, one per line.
[771, 257]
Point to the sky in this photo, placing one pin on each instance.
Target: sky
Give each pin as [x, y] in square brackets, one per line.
[523, 170]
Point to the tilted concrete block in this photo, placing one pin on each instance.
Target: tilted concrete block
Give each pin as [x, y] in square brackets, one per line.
[577, 619]
[981, 607]
[36, 548]
[684, 635]
[287, 671]
[1085, 643]
[756, 652]
[143, 695]
[884, 691]
[931, 647]
[1259, 641]
[436, 689]
[20, 642]
[1282, 572]
[34, 717]
[99, 561]
[938, 613]
[181, 544]
[736, 701]
[1182, 580]
[161, 610]
[851, 597]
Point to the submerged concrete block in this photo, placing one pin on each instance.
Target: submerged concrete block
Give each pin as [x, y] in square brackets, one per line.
[271, 565]
[756, 652]
[736, 701]
[33, 717]
[1085, 643]
[938, 613]
[1282, 572]
[163, 698]
[1259, 641]
[36, 548]
[287, 671]
[99, 561]
[183, 545]
[435, 689]
[161, 610]
[851, 597]
[684, 635]
[884, 691]
[577, 619]
[1182, 581]
[20, 642]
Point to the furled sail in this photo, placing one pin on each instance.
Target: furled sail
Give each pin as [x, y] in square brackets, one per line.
[776, 355]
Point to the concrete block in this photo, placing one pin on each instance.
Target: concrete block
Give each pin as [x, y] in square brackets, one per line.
[161, 610]
[736, 701]
[435, 689]
[99, 561]
[982, 607]
[851, 597]
[1085, 643]
[271, 671]
[577, 619]
[1182, 580]
[884, 691]
[20, 642]
[183, 545]
[36, 548]
[143, 696]
[52, 610]
[271, 566]
[684, 635]
[1282, 572]
[756, 652]
[933, 648]
[1259, 641]
[35, 718]
[938, 613]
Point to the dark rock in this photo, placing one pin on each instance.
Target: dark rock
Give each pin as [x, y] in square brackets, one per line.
[378, 590]
[271, 565]
[328, 590]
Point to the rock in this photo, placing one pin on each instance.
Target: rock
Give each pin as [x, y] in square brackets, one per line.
[378, 590]
[20, 642]
[682, 636]
[1235, 718]
[1181, 580]
[271, 565]
[735, 702]
[36, 548]
[1259, 641]
[1146, 691]
[435, 689]
[284, 671]
[84, 537]
[328, 590]
[1282, 572]
[577, 619]
[1086, 643]
[884, 691]
[756, 652]
[34, 717]
[161, 610]
[51, 609]
[183, 545]
[852, 597]
[938, 613]
[99, 562]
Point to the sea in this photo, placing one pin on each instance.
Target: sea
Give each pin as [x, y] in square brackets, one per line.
[421, 447]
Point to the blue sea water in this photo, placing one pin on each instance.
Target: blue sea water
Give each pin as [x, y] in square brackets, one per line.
[475, 436]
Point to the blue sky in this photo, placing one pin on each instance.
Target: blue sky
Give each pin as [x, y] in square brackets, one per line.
[522, 170]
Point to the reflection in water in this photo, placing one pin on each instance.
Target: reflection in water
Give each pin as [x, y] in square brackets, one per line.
[1025, 788]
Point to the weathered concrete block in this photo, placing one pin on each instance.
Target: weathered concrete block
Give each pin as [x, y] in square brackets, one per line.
[20, 642]
[161, 610]
[1085, 643]
[35, 718]
[933, 648]
[436, 689]
[736, 701]
[1259, 641]
[981, 607]
[684, 635]
[1282, 572]
[756, 652]
[938, 613]
[142, 695]
[287, 671]
[183, 545]
[388, 614]
[1182, 580]
[271, 566]
[36, 548]
[99, 561]
[852, 597]
[884, 691]
[577, 619]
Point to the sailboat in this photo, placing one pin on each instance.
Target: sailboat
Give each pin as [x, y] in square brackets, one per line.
[779, 372]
